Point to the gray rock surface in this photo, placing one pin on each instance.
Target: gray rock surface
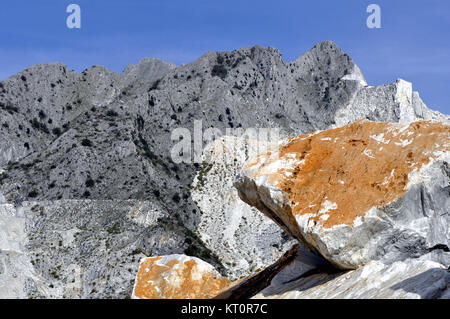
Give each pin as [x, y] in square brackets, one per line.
[301, 275]
[226, 222]
[99, 135]
[409, 279]
[396, 103]
[82, 248]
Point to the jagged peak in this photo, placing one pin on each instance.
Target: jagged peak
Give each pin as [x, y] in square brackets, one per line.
[40, 67]
[330, 54]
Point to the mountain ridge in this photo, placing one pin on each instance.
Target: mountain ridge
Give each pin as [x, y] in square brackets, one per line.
[99, 135]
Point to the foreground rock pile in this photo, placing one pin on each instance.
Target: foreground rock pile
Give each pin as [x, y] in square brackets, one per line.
[367, 196]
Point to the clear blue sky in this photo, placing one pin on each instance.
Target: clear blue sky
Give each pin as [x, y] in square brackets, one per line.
[413, 43]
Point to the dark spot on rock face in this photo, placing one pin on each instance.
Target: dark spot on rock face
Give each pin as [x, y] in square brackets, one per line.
[33, 194]
[140, 122]
[23, 78]
[9, 107]
[39, 126]
[154, 86]
[86, 142]
[42, 115]
[220, 71]
[439, 247]
[90, 183]
[111, 113]
[56, 131]
[176, 198]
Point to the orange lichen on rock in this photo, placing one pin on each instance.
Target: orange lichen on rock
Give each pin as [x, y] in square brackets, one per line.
[335, 176]
[177, 277]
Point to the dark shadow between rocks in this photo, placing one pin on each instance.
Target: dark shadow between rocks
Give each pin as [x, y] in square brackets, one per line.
[426, 281]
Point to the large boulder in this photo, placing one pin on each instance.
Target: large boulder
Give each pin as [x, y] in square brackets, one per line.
[177, 277]
[366, 191]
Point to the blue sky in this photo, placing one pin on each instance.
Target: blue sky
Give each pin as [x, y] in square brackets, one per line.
[412, 44]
